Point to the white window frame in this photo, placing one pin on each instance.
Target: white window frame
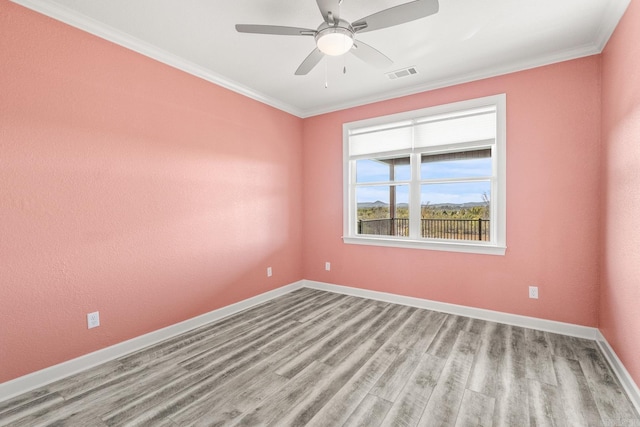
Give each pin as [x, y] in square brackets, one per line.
[498, 212]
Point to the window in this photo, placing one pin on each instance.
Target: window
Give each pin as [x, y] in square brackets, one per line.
[429, 179]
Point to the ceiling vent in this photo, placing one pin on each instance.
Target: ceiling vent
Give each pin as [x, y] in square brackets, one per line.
[405, 72]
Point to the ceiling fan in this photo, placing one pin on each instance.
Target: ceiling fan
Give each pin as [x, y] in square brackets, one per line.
[335, 36]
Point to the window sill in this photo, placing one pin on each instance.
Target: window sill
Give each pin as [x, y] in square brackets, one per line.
[467, 247]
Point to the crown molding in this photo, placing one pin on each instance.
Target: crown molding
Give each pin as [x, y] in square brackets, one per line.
[610, 20]
[486, 73]
[104, 31]
[613, 15]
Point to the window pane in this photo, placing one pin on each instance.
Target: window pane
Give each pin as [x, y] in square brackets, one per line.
[383, 210]
[402, 169]
[383, 170]
[466, 164]
[457, 211]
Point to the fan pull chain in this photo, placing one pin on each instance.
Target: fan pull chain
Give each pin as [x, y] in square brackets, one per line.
[326, 73]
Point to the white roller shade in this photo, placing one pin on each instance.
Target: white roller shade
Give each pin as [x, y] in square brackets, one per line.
[455, 130]
[380, 139]
[445, 129]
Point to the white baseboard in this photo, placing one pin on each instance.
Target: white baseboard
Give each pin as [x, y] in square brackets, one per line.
[460, 310]
[495, 316]
[621, 372]
[46, 376]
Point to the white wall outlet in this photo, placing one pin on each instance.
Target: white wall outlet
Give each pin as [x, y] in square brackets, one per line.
[269, 272]
[533, 292]
[93, 320]
[327, 266]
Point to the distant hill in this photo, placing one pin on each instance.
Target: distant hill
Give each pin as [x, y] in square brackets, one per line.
[376, 204]
[440, 206]
[457, 206]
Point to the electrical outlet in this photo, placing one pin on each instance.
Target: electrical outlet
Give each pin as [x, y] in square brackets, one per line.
[269, 272]
[93, 320]
[533, 292]
[327, 266]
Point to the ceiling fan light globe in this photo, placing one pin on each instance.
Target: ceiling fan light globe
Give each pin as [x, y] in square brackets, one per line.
[334, 41]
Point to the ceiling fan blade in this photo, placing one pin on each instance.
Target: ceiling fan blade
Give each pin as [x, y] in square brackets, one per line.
[275, 30]
[330, 10]
[396, 15]
[370, 55]
[309, 62]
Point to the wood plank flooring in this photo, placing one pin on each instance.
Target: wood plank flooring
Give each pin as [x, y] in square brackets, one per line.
[314, 358]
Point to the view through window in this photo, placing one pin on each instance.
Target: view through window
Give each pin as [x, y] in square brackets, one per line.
[429, 179]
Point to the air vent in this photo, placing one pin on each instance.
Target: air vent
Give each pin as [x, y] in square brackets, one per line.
[405, 72]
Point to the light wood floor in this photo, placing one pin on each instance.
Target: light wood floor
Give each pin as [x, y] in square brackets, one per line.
[322, 359]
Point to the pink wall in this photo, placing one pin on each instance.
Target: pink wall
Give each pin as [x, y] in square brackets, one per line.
[620, 252]
[131, 188]
[553, 144]
[137, 190]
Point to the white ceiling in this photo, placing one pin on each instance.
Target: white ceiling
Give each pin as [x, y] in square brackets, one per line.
[466, 40]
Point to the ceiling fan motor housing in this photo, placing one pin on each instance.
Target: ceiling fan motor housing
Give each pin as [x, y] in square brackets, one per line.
[335, 39]
[336, 36]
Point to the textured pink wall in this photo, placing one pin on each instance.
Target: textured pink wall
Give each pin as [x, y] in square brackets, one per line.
[131, 188]
[620, 273]
[553, 143]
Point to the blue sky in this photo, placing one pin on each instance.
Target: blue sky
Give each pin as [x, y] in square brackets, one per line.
[372, 171]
